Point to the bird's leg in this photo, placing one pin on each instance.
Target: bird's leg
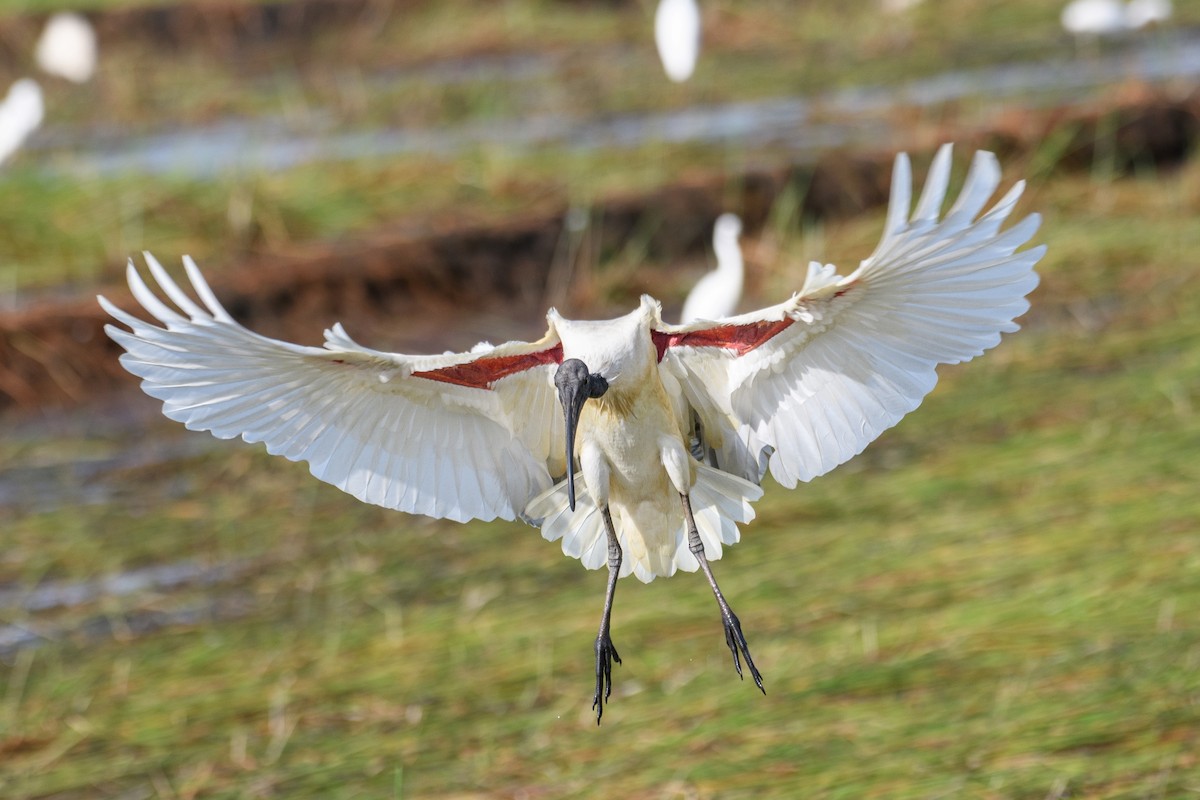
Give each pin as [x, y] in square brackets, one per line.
[605, 652]
[734, 637]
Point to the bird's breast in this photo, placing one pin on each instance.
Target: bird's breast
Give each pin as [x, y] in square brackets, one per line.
[628, 425]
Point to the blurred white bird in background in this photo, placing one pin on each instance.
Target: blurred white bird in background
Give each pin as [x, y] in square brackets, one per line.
[1093, 17]
[1140, 13]
[21, 113]
[896, 7]
[796, 388]
[67, 47]
[716, 295]
[1112, 17]
[677, 34]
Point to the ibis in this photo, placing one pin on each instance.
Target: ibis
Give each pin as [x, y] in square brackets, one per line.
[589, 432]
[717, 293]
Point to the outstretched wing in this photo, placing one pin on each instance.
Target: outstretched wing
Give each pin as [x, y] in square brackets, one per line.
[456, 436]
[807, 384]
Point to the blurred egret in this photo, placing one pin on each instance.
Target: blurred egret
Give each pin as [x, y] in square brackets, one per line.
[716, 294]
[1093, 17]
[895, 7]
[1110, 17]
[67, 47]
[1140, 13]
[21, 113]
[677, 34]
[796, 388]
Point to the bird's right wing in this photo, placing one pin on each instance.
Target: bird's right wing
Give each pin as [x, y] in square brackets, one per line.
[459, 436]
[807, 384]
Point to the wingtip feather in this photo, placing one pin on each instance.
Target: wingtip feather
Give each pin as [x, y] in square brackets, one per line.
[205, 292]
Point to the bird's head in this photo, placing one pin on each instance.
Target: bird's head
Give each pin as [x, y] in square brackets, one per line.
[576, 385]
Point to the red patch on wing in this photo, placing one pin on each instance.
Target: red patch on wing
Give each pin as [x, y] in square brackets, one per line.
[741, 339]
[486, 370]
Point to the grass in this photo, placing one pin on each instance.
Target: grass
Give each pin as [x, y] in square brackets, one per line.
[67, 225]
[80, 229]
[997, 600]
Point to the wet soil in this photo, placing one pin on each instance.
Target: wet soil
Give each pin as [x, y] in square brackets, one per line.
[229, 28]
[397, 290]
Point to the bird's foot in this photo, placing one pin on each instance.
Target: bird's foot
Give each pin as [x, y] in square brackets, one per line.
[605, 655]
[736, 641]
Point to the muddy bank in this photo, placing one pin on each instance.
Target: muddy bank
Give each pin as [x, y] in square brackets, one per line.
[217, 26]
[225, 27]
[396, 290]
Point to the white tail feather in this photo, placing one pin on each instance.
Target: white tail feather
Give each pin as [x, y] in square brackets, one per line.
[720, 502]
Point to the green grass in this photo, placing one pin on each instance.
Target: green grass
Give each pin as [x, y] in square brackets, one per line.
[997, 600]
[80, 229]
[76, 227]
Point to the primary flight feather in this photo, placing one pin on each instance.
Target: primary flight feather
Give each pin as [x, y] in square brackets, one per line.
[590, 431]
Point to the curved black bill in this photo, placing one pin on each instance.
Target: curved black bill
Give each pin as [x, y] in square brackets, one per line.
[575, 386]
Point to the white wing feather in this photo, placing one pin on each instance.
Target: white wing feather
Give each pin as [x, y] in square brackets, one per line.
[862, 351]
[359, 417]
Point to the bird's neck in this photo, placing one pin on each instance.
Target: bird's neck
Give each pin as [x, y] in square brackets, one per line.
[729, 260]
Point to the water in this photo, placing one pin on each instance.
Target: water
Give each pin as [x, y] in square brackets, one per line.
[135, 622]
[805, 122]
[44, 484]
[159, 578]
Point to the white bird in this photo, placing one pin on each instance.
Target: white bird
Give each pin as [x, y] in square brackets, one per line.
[796, 388]
[1111, 17]
[21, 113]
[896, 7]
[1093, 17]
[677, 34]
[716, 295]
[1140, 13]
[67, 47]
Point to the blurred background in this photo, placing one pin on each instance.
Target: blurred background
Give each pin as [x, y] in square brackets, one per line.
[999, 599]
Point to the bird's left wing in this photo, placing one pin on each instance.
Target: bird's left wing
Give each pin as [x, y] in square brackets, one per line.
[459, 436]
[805, 385]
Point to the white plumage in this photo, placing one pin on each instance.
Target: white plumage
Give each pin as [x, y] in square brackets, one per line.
[716, 295]
[677, 35]
[21, 113]
[796, 388]
[67, 47]
[1110, 17]
[1140, 13]
[1093, 17]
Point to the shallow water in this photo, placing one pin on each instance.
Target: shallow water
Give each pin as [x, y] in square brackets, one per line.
[806, 123]
[44, 483]
[160, 577]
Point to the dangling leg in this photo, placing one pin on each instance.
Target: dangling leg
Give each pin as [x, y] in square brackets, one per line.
[733, 628]
[605, 652]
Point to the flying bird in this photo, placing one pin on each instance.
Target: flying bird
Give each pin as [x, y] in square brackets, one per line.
[589, 432]
[716, 295]
[677, 35]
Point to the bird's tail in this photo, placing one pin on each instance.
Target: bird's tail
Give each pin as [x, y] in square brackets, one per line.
[720, 502]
